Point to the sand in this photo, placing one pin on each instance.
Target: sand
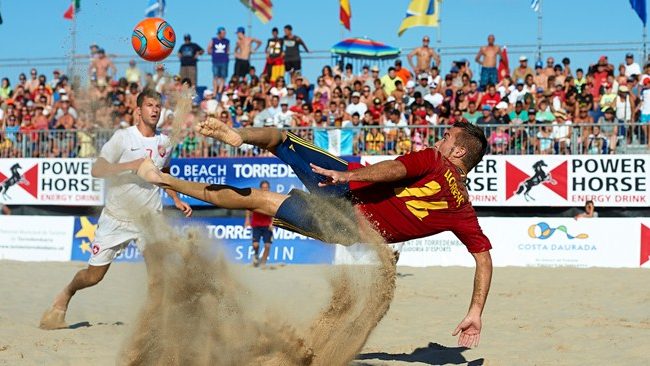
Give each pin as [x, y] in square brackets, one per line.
[534, 316]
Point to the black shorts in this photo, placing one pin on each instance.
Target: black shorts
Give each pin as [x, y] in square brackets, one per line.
[292, 65]
[264, 233]
[242, 67]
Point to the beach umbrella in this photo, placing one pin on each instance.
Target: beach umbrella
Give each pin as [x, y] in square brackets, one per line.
[363, 50]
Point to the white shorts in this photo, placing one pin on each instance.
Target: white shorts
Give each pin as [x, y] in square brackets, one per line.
[111, 238]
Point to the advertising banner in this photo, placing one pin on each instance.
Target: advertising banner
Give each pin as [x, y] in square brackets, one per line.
[239, 172]
[228, 234]
[64, 182]
[35, 238]
[557, 180]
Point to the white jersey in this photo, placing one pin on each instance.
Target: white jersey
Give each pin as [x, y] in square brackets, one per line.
[127, 195]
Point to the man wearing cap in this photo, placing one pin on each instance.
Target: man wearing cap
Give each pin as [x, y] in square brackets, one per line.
[243, 52]
[356, 106]
[374, 74]
[631, 67]
[422, 84]
[523, 69]
[487, 58]
[424, 56]
[189, 53]
[219, 48]
[284, 118]
[539, 79]
[292, 43]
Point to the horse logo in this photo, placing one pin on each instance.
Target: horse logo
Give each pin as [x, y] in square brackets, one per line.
[14, 179]
[538, 178]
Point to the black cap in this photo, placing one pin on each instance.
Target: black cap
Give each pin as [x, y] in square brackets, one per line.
[187, 36]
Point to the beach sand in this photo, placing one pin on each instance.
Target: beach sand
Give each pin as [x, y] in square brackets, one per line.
[534, 316]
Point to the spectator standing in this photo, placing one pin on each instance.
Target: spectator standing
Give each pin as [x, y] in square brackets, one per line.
[219, 48]
[188, 54]
[133, 74]
[274, 56]
[487, 58]
[292, 43]
[424, 55]
[262, 227]
[102, 68]
[631, 67]
[243, 50]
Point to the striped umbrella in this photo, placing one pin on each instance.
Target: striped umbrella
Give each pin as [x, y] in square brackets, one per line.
[363, 48]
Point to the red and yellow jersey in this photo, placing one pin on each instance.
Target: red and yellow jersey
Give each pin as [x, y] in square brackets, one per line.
[429, 200]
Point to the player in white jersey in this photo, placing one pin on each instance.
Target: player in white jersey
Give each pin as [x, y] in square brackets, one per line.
[127, 198]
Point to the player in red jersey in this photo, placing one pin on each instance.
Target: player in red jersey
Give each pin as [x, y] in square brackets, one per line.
[262, 227]
[413, 196]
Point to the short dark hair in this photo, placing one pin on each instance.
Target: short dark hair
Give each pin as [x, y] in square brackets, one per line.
[473, 140]
[265, 182]
[288, 26]
[147, 93]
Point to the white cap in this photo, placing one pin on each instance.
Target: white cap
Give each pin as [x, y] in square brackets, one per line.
[502, 105]
[46, 111]
[62, 91]
[244, 118]
[390, 99]
[124, 124]
[523, 58]
[410, 84]
[268, 122]
[207, 92]
[65, 98]
[356, 95]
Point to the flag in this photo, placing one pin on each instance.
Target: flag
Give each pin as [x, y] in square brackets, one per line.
[534, 4]
[155, 8]
[504, 66]
[421, 13]
[639, 7]
[263, 9]
[72, 10]
[338, 142]
[345, 13]
[0, 18]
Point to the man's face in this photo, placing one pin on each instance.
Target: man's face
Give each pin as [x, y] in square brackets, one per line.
[492, 90]
[287, 32]
[447, 145]
[472, 107]
[391, 73]
[222, 34]
[425, 42]
[264, 186]
[550, 62]
[150, 111]
[523, 64]
[490, 39]
[275, 101]
[629, 60]
[589, 207]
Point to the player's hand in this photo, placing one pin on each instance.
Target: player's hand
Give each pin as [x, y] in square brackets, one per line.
[470, 331]
[334, 177]
[184, 207]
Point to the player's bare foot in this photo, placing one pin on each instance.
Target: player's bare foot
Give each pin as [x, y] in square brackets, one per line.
[214, 128]
[149, 172]
[53, 318]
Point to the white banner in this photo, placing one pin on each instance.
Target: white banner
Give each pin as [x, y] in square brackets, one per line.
[557, 180]
[65, 182]
[36, 238]
[552, 242]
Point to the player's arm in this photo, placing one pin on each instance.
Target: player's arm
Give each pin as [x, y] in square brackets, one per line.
[178, 203]
[470, 327]
[102, 168]
[385, 171]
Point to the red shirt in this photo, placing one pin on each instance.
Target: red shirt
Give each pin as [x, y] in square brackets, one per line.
[260, 220]
[429, 200]
[491, 100]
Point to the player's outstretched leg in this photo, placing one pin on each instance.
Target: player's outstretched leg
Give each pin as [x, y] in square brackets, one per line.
[264, 137]
[265, 202]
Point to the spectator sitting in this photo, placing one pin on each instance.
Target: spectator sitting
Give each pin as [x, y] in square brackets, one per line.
[597, 142]
[590, 211]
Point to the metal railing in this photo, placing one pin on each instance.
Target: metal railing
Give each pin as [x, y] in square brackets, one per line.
[513, 139]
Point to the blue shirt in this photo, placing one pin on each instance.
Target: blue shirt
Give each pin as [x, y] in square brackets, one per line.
[219, 51]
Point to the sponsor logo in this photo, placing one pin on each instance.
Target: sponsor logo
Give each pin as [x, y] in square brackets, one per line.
[135, 148]
[162, 151]
[27, 180]
[86, 234]
[95, 249]
[520, 183]
[544, 231]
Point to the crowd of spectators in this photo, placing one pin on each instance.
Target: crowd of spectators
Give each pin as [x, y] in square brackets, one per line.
[549, 108]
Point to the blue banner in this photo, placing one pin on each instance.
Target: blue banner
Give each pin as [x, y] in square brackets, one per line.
[228, 234]
[239, 172]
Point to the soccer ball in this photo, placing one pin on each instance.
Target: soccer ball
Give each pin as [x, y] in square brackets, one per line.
[153, 39]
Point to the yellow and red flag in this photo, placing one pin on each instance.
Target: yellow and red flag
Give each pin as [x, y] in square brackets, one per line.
[345, 13]
[263, 9]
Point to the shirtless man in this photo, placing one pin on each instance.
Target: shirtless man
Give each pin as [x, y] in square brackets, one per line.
[99, 67]
[424, 55]
[243, 52]
[487, 58]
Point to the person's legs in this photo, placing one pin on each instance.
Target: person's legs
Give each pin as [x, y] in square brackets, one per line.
[264, 202]
[257, 234]
[267, 235]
